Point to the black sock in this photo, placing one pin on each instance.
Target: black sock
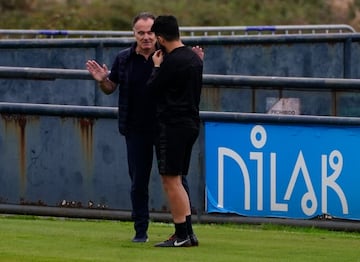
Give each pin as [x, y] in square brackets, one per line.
[189, 225]
[181, 230]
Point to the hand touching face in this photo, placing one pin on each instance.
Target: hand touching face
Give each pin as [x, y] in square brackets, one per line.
[158, 57]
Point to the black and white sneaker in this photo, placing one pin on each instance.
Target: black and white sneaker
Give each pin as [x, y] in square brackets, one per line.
[174, 241]
[194, 241]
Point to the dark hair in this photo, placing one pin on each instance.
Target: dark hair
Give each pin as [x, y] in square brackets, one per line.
[143, 15]
[167, 27]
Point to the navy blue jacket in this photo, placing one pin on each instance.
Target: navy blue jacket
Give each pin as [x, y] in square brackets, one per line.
[121, 74]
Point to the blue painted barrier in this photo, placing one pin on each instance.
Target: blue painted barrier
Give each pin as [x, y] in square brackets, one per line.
[61, 107]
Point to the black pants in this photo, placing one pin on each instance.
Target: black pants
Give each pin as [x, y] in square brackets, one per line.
[140, 148]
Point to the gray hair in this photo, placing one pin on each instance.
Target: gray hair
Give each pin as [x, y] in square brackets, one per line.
[143, 15]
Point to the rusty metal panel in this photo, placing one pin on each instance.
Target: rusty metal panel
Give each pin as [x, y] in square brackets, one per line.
[53, 159]
[71, 162]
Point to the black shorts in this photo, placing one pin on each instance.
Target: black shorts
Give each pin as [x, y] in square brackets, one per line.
[173, 149]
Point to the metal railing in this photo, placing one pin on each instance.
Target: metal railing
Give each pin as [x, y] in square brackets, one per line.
[208, 79]
[111, 113]
[185, 31]
[335, 85]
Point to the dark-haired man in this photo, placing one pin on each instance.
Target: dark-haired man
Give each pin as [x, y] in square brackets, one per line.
[176, 82]
[130, 71]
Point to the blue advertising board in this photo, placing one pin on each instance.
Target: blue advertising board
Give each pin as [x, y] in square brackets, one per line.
[282, 170]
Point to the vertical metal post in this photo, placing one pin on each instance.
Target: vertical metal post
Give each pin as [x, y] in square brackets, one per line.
[99, 56]
[346, 73]
[347, 57]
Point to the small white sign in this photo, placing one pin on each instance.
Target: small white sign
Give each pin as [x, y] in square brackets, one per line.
[283, 106]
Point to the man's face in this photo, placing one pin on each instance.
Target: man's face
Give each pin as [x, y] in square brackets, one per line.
[144, 37]
[160, 42]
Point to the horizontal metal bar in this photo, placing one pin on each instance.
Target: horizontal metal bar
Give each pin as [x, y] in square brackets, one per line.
[204, 30]
[58, 110]
[301, 28]
[194, 40]
[279, 119]
[43, 73]
[260, 28]
[111, 112]
[82, 33]
[283, 82]
[271, 39]
[66, 42]
[208, 79]
[350, 226]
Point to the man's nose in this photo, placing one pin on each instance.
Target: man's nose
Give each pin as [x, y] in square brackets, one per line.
[147, 35]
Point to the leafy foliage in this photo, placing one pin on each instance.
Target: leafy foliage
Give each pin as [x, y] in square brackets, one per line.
[117, 14]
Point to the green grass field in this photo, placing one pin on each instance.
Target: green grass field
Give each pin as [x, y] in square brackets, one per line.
[25, 238]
